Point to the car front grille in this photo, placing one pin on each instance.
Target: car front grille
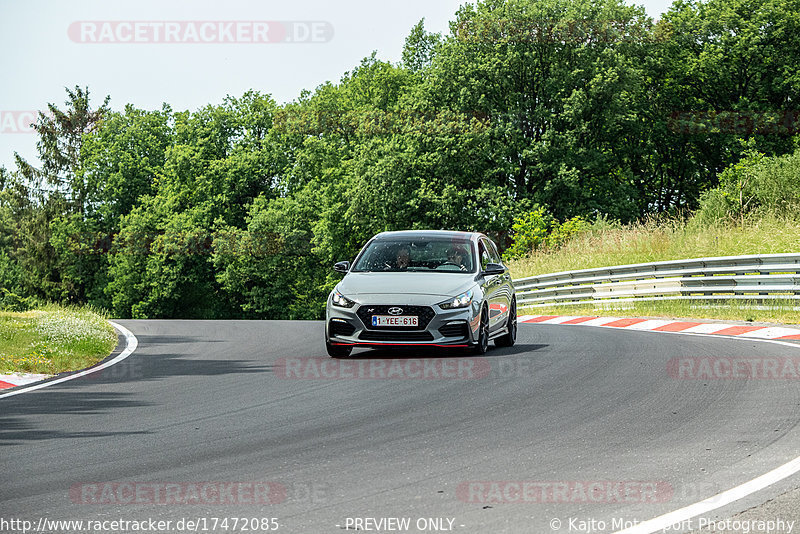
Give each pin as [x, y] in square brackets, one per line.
[401, 336]
[424, 313]
[454, 330]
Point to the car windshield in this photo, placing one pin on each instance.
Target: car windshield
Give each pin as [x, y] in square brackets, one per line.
[443, 255]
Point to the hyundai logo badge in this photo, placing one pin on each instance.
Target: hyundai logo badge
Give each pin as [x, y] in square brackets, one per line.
[395, 310]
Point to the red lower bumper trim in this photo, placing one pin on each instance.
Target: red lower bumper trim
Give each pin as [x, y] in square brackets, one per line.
[398, 345]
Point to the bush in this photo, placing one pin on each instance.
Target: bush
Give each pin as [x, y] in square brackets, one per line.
[716, 206]
[562, 233]
[529, 232]
[12, 302]
[538, 229]
[777, 185]
[756, 185]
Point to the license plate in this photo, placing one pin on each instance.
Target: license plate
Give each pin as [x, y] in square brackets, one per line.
[395, 320]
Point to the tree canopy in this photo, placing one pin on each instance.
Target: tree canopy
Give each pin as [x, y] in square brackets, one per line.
[569, 109]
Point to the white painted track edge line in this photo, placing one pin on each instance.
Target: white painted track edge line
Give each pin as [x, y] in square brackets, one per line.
[662, 522]
[130, 345]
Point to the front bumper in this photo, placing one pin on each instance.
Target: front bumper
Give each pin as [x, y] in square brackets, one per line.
[445, 328]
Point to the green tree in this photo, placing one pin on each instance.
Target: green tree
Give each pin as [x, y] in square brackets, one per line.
[559, 82]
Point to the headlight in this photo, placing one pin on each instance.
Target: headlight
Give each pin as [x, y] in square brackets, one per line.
[340, 300]
[461, 301]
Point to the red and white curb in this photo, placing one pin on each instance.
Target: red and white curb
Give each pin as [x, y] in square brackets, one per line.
[20, 379]
[665, 325]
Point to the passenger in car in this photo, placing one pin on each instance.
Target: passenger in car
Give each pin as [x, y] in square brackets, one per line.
[403, 259]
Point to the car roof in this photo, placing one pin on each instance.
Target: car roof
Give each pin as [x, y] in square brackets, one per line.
[421, 234]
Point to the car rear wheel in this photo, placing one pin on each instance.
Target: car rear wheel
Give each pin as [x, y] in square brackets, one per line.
[483, 334]
[338, 351]
[510, 337]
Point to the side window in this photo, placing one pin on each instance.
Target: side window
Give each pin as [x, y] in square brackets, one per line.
[494, 254]
[483, 252]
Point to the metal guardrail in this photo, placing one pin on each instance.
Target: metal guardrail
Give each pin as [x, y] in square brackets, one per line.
[756, 277]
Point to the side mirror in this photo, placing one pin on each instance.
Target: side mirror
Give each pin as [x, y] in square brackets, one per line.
[493, 269]
[342, 267]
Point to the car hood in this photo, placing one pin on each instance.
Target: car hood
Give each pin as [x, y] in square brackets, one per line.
[434, 284]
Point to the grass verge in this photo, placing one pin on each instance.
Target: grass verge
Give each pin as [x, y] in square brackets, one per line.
[54, 339]
[606, 245]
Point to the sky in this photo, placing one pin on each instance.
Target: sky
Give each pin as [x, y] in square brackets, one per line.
[190, 53]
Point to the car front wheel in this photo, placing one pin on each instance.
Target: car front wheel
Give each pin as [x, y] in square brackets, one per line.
[510, 337]
[483, 334]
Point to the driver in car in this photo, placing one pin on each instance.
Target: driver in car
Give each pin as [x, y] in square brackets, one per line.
[456, 256]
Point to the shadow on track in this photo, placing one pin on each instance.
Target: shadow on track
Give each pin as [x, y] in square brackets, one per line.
[140, 367]
[19, 414]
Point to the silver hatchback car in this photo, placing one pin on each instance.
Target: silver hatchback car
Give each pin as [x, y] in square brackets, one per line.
[422, 288]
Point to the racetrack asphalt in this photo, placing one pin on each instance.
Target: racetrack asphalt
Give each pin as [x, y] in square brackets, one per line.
[578, 407]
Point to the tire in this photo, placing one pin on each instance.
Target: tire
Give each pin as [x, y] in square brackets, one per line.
[508, 339]
[483, 334]
[338, 351]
